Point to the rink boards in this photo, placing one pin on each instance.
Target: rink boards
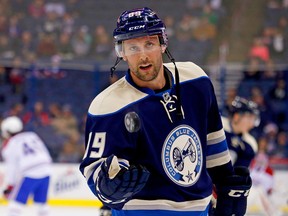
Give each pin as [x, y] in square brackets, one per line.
[68, 188]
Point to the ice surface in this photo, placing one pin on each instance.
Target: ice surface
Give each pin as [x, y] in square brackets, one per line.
[57, 211]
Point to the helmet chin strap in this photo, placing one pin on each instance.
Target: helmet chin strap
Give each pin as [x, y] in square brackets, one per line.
[112, 69]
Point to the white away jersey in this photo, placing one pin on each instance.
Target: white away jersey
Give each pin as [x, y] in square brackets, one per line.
[25, 155]
[177, 152]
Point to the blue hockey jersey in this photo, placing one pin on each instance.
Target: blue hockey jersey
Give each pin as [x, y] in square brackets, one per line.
[177, 152]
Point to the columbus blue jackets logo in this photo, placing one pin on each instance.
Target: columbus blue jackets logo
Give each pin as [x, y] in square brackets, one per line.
[182, 156]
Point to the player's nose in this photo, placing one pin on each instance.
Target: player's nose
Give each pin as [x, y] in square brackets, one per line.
[143, 56]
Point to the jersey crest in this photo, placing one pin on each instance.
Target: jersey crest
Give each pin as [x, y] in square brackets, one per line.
[182, 156]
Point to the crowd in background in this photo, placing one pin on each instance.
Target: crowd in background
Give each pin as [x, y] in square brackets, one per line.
[43, 28]
[55, 30]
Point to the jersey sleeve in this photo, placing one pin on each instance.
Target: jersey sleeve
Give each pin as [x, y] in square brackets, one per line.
[101, 141]
[218, 157]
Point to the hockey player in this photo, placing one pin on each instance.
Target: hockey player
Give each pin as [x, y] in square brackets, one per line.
[154, 139]
[28, 167]
[244, 116]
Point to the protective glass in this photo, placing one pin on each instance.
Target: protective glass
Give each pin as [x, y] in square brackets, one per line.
[132, 47]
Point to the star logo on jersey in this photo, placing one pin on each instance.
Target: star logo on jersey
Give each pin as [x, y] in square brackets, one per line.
[182, 156]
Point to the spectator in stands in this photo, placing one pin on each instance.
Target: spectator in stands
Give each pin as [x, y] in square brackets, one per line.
[266, 114]
[283, 27]
[102, 44]
[47, 46]
[74, 7]
[270, 131]
[67, 123]
[3, 24]
[183, 46]
[36, 9]
[216, 5]
[69, 152]
[279, 92]
[81, 42]
[55, 7]
[259, 50]
[15, 110]
[253, 71]
[269, 73]
[195, 5]
[170, 26]
[210, 14]
[19, 7]
[52, 23]
[64, 45]
[282, 145]
[14, 31]
[278, 44]
[278, 101]
[54, 110]
[186, 26]
[68, 23]
[205, 30]
[17, 76]
[6, 50]
[262, 144]
[37, 117]
[3, 84]
[27, 45]
[3, 75]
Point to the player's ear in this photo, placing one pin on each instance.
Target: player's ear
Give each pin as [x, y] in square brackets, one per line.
[124, 58]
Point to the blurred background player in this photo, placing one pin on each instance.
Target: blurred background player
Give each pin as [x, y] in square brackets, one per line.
[27, 162]
[243, 117]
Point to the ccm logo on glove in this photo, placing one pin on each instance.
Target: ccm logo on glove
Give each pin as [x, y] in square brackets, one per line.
[238, 193]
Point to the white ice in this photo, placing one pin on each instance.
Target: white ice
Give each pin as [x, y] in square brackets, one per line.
[57, 211]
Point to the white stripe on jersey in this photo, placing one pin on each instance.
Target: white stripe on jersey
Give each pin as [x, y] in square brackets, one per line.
[193, 205]
[215, 137]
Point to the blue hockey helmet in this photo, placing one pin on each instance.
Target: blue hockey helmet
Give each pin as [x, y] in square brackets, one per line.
[138, 23]
[242, 105]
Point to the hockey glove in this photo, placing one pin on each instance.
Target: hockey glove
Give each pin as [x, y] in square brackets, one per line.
[116, 184]
[232, 193]
[7, 191]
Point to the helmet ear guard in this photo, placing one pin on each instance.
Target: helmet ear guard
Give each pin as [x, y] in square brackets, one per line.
[119, 49]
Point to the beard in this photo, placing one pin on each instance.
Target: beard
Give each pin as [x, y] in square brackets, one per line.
[146, 70]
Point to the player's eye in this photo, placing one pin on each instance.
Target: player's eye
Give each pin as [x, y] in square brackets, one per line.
[133, 49]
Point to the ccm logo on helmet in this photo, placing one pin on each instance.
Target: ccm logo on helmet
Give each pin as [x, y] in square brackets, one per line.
[136, 27]
[239, 193]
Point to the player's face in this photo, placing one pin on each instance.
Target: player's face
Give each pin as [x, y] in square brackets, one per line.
[246, 122]
[144, 57]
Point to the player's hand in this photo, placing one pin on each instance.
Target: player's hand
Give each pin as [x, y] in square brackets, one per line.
[7, 191]
[232, 193]
[116, 184]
